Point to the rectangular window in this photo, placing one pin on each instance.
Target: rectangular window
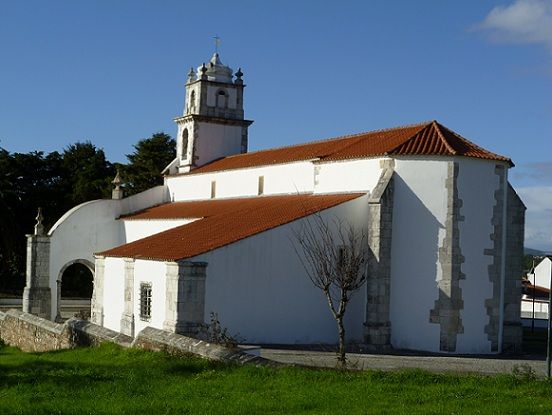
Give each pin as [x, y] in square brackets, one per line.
[145, 301]
[213, 189]
[261, 185]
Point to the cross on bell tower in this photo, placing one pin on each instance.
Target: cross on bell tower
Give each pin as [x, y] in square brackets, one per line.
[212, 124]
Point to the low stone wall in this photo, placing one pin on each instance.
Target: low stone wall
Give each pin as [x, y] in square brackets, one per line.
[160, 340]
[33, 334]
[86, 333]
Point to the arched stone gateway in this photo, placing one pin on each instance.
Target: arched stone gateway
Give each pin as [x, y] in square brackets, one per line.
[75, 282]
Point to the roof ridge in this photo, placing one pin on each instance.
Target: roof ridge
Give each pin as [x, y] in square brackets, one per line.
[427, 124]
[322, 140]
[437, 126]
[471, 143]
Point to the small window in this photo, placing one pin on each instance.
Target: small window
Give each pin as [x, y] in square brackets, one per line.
[261, 185]
[185, 144]
[145, 301]
[213, 189]
[192, 101]
[222, 99]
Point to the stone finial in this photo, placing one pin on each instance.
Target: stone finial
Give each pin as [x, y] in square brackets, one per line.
[203, 70]
[239, 75]
[191, 75]
[39, 227]
[117, 192]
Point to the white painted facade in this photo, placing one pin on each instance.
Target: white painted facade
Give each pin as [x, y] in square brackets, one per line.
[476, 186]
[419, 215]
[150, 272]
[418, 222]
[259, 289]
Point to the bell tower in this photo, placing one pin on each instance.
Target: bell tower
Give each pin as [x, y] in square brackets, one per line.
[212, 124]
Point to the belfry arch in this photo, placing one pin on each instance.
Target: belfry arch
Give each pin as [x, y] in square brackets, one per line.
[76, 281]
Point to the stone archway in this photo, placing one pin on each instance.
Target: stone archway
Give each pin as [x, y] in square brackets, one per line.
[75, 285]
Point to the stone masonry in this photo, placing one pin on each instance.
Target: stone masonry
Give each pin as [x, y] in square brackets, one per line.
[96, 312]
[377, 326]
[127, 319]
[512, 331]
[185, 297]
[493, 304]
[37, 296]
[447, 308]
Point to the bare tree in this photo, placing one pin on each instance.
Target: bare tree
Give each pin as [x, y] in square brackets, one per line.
[334, 256]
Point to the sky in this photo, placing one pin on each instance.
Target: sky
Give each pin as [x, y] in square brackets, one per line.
[113, 72]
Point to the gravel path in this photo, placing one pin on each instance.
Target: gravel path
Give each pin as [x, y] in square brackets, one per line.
[480, 365]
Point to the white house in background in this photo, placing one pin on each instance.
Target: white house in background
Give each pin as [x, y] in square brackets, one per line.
[536, 291]
[542, 273]
[445, 236]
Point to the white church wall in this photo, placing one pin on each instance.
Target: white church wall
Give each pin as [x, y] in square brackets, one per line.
[138, 229]
[151, 197]
[289, 178]
[419, 213]
[93, 227]
[260, 290]
[476, 185]
[217, 140]
[84, 230]
[347, 176]
[113, 295]
[151, 272]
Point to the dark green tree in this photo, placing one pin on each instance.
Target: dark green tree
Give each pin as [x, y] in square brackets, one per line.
[150, 157]
[87, 174]
[56, 182]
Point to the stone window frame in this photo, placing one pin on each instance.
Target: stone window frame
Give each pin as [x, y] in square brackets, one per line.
[145, 301]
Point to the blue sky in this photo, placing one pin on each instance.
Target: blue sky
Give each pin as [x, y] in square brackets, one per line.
[113, 72]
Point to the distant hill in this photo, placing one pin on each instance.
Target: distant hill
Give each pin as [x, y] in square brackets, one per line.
[534, 252]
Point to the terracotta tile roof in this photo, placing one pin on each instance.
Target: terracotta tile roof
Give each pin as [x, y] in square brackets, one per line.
[430, 138]
[224, 221]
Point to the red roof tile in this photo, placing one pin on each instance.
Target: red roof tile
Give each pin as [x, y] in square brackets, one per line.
[430, 138]
[224, 221]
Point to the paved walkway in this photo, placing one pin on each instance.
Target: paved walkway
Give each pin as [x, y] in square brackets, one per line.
[480, 365]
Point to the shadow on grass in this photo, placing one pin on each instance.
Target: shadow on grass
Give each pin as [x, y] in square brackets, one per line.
[97, 365]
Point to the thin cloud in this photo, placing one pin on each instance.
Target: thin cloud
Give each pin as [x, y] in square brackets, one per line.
[524, 21]
[539, 172]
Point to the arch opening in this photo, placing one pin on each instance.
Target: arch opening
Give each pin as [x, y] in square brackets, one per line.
[75, 286]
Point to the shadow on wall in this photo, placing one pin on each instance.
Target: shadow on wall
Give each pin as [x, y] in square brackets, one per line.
[414, 270]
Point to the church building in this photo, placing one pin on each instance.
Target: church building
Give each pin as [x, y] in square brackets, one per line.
[444, 235]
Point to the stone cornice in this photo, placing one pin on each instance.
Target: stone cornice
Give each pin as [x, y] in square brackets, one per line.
[216, 83]
[216, 120]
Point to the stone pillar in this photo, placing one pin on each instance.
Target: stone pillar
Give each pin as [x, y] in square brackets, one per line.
[96, 314]
[127, 318]
[37, 295]
[185, 297]
[447, 308]
[377, 327]
[512, 330]
[492, 304]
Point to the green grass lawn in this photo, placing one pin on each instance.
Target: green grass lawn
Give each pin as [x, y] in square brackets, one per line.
[111, 380]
